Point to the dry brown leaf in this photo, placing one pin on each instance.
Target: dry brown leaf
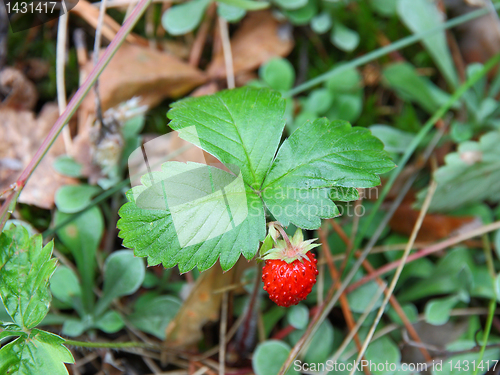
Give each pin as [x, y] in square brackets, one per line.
[16, 91]
[22, 133]
[109, 28]
[434, 227]
[259, 38]
[478, 39]
[202, 305]
[144, 72]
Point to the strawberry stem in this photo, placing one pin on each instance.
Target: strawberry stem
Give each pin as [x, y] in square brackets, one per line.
[283, 234]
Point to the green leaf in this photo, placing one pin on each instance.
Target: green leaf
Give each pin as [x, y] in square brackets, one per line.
[347, 106]
[269, 356]
[230, 13]
[317, 156]
[290, 4]
[41, 353]
[246, 4]
[394, 140]
[25, 269]
[382, 351]
[191, 214]
[346, 81]
[321, 343]
[185, 17]
[384, 7]
[302, 16]
[241, 127]
[343, 194]
[461, 132]
[267, 245]
[133, 126]
[321, 23]
[278, 73]
[82, 236]
[74, 198]
[298, 316]
[65, 286]
[123, 275]
[360, 298]
[319, 101]
[109, 322]
[471, 175]
[153, 314]
[68, 166]
[403, 78]
[344, 38]
[75, 327]
[497, 242]
[193, 225]
[420, 16]
[437, 311]
[497, 287]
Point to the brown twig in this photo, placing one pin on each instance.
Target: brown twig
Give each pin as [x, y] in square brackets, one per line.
[201, 37]
[426, 251]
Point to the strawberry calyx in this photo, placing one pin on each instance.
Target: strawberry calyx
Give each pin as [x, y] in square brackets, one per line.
[292, 249]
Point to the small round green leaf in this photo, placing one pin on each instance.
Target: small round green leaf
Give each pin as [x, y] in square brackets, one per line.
[230, 13]
[321, 346]
[460, 131]
[437, 311]
[360, 299]
[278, 73]
[133, 126]
[110, 322]
[319, 101]
[74, 327]
[344, 81]
[68, 166]
[298, 316]
[321, 23]
[346, 107]
[183, 18]
[304, 15]
[290, 4]
[269, 356]
[344, 38]
[74, 198]
[394, 140]
[123, 275]
[383, 351]
[65, 286]
[386, 8]
[497, 242]
[153, 314]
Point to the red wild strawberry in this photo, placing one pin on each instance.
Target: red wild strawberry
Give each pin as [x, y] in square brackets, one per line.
[290, 270]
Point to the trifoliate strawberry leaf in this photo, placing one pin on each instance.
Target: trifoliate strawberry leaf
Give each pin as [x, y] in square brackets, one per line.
[40, 353]
[316, 157]
[471, 175]
[241, 127]
[25, 270]
[192, 214]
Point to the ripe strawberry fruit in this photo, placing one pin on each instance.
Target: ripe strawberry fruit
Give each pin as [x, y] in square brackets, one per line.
[290, 270]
